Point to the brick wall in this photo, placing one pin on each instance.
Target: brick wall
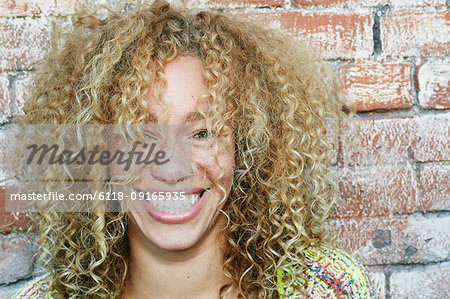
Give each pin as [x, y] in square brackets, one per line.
[394, 60]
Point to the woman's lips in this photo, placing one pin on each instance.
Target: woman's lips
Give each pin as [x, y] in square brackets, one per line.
[178, 217]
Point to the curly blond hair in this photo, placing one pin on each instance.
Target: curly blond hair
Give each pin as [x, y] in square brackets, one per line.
[265, 86]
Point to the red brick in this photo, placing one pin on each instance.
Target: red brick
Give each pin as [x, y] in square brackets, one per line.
[433, 138]
[23, 88]
[416, 32]
[394, 140]
[68, 6]
[376, 191]
[232, 3]
[22, 42]
[6, 154]
[11, 222]
[380, 141]
[24, 7]
[375, 85]
[5, 99]
[434, 84]
[396, 3]
[324, 2]
[430, 281]
[336, 35]
[393, 3]
[403, 239]
[434, 187]
[16, 254]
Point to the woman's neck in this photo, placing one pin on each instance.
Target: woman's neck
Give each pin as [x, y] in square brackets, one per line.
[156, 273]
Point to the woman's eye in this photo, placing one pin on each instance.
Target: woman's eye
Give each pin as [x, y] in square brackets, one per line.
[202, 134]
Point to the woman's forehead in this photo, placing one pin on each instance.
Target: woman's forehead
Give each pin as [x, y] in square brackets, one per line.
[185, 85]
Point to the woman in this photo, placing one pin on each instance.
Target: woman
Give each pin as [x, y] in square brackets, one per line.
[257, 101]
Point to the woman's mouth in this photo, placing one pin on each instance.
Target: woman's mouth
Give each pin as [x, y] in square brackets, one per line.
[176, 202]
[176, 207]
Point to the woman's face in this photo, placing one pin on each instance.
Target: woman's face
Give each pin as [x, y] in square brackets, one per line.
[198, 221]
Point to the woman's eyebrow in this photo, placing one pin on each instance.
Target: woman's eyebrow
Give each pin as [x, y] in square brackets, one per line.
[190, 117]
[193, 116]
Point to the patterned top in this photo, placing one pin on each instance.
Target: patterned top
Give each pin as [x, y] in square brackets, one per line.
[331, 274]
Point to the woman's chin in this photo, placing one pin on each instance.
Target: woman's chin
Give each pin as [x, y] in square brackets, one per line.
[167, 235]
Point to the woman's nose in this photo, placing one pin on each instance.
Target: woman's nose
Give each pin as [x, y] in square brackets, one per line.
[178, 167]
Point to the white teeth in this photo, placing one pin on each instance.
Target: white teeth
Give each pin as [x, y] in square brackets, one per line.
[174, 206]
[194, 198]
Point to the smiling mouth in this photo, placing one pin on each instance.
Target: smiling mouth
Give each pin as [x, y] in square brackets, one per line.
[181, 202]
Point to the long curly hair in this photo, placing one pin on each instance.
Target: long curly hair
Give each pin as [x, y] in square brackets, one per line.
[267, 88]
